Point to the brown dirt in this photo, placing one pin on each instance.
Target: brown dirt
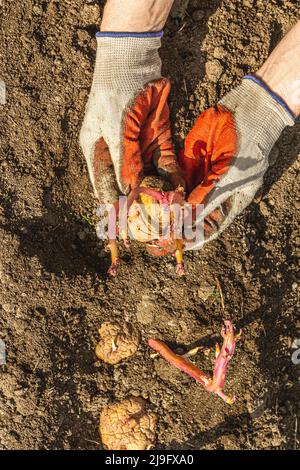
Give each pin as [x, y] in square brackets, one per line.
[54, 290]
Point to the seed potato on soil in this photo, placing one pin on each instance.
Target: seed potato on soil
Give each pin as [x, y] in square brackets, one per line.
[128, 426]
[117, 342]
[54, 289]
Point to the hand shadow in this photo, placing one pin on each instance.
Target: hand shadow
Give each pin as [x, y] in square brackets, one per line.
[63, 244]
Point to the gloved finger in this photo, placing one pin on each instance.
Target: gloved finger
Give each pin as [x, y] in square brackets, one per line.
[176, 179]
[97, 155]
[160, 144]
[90, 133]
[214, 221]
[209, 150]
[104, 178]
[147, 142]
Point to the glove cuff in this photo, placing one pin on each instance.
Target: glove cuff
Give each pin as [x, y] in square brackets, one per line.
[259, 114]
[124, 34]
[271, 93]
[125, 62]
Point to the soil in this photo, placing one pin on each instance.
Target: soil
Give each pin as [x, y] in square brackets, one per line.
[55, 293]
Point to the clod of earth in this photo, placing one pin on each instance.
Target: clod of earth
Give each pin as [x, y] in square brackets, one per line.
[128, 425]
[117, 342]
[223, 356]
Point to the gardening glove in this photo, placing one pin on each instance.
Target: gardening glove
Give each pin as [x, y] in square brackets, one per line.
[126, 130]
[226, 153]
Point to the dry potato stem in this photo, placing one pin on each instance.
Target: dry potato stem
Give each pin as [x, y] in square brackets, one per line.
[117, 342]
[127, 425]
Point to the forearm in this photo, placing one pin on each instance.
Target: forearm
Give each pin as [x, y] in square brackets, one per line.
[281, 71]
[135, 15]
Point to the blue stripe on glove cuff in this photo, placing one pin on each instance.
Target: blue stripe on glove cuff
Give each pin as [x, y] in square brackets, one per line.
[114, 34]
[274, 95]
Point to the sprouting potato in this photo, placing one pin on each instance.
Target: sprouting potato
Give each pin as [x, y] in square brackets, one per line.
[128, 425]
[117, 342]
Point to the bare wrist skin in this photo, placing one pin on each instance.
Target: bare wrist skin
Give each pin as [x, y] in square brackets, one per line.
[136, 16]
[281, 71]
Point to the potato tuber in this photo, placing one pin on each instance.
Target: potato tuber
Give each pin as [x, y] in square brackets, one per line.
[117, 342]
[127, 425]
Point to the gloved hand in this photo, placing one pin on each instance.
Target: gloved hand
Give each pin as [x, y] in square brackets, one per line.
[126, 130]
[226, 153]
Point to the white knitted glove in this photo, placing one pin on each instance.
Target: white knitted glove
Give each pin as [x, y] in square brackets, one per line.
[127, 71]
[259, 117]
